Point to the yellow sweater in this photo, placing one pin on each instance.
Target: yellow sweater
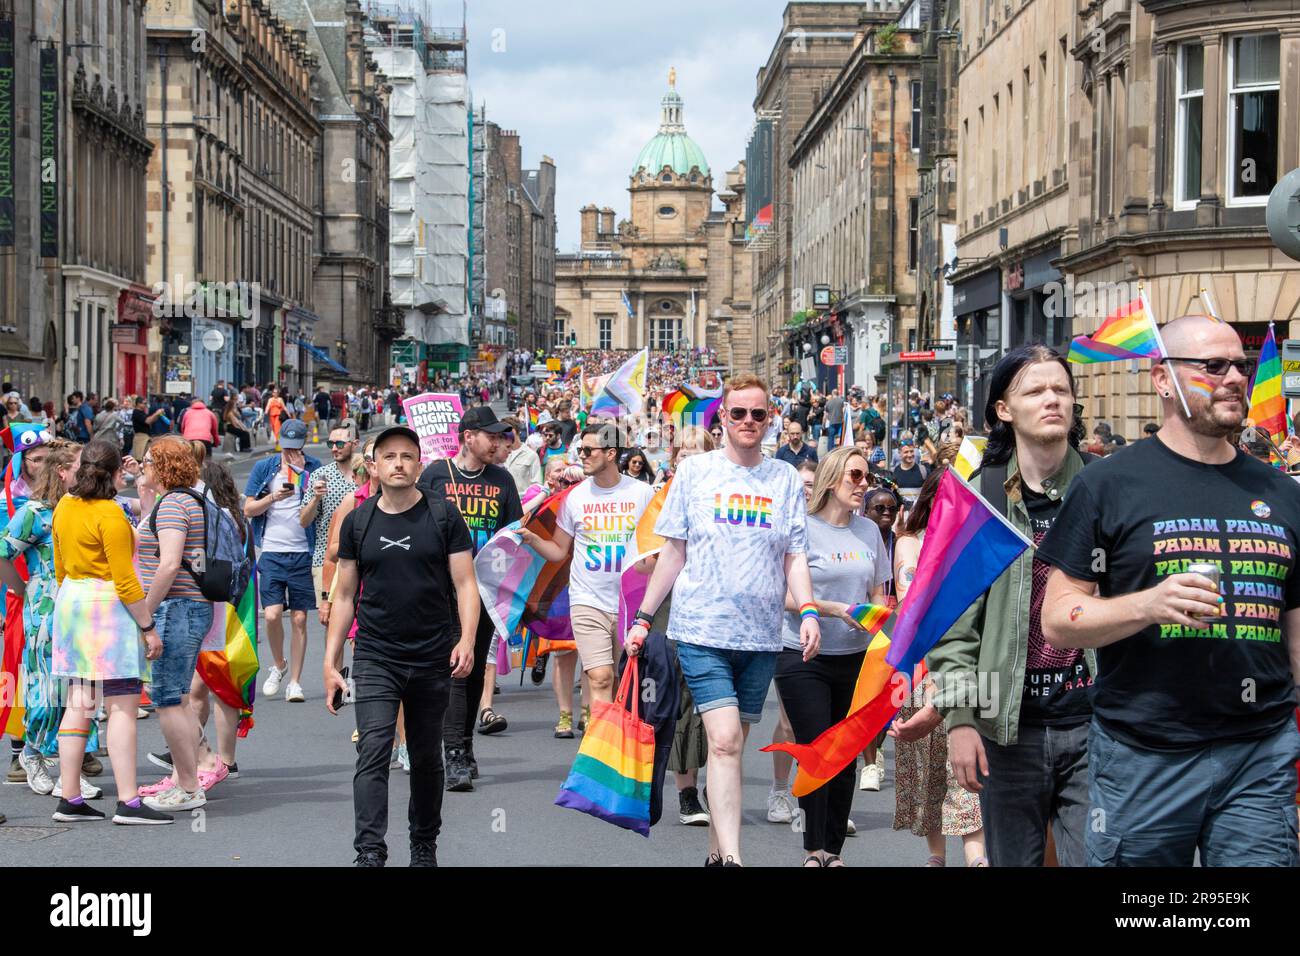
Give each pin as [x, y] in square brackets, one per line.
[93, 539]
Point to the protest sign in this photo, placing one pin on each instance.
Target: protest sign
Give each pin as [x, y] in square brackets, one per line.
[435, 418]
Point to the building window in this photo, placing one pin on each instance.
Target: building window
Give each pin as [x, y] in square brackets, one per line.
[560, 337]
[1187, 133]
[913, 224]
[916, 115]
[1253, 117]
[606, 333]
[667, 212]
[666, 334]
[667, 177]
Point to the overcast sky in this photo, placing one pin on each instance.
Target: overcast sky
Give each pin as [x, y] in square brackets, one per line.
[581, 81]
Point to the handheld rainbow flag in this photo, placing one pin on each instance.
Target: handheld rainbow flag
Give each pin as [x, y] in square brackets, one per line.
[1128, 333]
[692, 405]
[232, 673]
[870, 617]
[1267, 406]
[532, 419]
[967, 546]
[624, 392]
[295, 478]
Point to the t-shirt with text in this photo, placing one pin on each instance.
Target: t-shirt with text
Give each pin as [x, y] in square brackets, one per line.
[601, 521]
[847, 564]
[1134, 519]
[487, 499]
[739, 524]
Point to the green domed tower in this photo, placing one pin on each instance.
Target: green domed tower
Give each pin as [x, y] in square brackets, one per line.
[671, 186]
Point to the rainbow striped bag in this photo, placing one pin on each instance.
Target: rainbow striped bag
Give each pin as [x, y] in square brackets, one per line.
[610, 778]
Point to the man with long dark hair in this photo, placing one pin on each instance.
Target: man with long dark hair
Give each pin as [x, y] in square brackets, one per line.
[1018, 737]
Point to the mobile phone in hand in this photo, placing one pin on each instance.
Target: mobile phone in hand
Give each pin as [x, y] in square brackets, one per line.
[341, 697]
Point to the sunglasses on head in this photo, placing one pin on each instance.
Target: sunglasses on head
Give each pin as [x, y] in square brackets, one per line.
[738, 414]
[906, 443]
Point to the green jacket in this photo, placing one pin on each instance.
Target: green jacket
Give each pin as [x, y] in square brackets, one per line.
[991, 639]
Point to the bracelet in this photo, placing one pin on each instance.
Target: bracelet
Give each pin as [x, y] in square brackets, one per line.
[149, 627]
[809, 610]
[641, 617]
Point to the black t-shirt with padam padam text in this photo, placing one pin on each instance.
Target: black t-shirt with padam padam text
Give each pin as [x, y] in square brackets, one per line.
[406, 608]
[488, 499]
[1139, 516]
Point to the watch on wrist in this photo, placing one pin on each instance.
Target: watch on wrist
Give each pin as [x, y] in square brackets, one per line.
[324, 595]
[641, 617]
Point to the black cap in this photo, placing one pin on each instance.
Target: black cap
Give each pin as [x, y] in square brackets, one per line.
[397, 430]
[482, 418]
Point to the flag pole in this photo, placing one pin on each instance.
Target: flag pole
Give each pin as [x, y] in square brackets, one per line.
[1164, 352]
[1209, 304]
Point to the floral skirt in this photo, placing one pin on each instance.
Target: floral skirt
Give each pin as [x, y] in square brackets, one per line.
[93, 635]
[927, 795]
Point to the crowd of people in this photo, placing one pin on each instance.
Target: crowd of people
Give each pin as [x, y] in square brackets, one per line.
[1101, 672]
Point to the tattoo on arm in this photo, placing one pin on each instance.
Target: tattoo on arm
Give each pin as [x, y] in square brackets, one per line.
[1076, 613]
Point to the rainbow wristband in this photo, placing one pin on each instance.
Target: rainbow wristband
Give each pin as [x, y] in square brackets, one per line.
[808, 610]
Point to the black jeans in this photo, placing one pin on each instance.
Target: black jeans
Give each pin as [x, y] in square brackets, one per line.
[1042, 778]
[462, 713]
[816, 695]
[423, 694]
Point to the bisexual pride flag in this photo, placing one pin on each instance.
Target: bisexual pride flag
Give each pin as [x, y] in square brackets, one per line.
[967, 546]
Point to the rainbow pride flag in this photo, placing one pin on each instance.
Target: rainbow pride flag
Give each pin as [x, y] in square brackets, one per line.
[1128, 333]
[870, 617]
[573, 373]
[645, 542]
[624, 392]
[232, 673]
[692, 405]
[967, 546]
[1267, 406]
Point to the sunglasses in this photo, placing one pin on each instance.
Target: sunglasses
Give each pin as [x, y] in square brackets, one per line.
[884, 509]
[337, 444]
[585, 452]
[856, 475]
[906, 443]
[1218, 366]
[759, 415]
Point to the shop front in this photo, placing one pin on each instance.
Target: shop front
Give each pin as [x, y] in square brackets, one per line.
[130, 338]
[977, 312]
[1030, 284]
[931, 372]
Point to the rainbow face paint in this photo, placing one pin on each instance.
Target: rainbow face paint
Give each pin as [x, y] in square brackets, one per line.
[1200, 386]
[750, 511]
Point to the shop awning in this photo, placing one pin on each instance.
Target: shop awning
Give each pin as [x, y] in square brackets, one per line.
[323, 358]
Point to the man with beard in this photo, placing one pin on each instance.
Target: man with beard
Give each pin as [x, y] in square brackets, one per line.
[1176, 561]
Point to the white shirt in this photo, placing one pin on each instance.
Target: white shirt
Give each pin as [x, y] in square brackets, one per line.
[738, 524]
[283, 533]
[602, 522]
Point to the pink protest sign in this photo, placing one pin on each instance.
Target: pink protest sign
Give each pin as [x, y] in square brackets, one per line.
[436, 419]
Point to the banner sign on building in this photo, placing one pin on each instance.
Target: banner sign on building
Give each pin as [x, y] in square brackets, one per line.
[49, 134]
[759, 178]
[435, 417]
[7, 132]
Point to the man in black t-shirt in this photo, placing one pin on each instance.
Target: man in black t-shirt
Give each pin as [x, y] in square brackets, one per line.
[910, 474]
[1016, 709]
[1193, 744]
[487, 498]
[408, 554]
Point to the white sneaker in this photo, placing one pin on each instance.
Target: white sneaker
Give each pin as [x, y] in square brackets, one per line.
[88, 790]
[293, 693]
[780, 806]
[852, 830]
[273, 679]
[870, 778]
[176, 800]
[38, 775]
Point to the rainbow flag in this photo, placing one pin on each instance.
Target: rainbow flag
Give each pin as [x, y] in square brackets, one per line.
[573, 373]
[296, 477]
[692, 405]
[519, 588]
[644, 543]
[967, 546]
[232, 673]
[624, 392]
[532, 419]
[1128, 333]
[870, 617]
[1267, 406]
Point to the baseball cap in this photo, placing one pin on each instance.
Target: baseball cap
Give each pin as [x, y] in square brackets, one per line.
[395, 431]
[482, 418]
[293, 435]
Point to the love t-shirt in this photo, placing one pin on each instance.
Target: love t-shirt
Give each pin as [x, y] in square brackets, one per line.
[738, 524]
[601, 522]
[1143, 514]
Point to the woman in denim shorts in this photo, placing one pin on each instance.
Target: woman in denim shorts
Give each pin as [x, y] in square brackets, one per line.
[171, 536]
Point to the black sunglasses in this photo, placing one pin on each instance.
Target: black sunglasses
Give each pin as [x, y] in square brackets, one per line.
[586, 452]
[884, 509]
[336, 444]
[1217, 366]
[738, 414]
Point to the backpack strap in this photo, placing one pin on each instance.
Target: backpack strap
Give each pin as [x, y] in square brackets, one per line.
[992, 485]
[362, 523]
[153, 525]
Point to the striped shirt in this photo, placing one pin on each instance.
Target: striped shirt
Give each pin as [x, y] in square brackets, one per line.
[176, 512]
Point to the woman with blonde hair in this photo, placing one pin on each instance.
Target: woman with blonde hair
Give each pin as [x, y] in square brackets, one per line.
[849, 565]
[101, 630]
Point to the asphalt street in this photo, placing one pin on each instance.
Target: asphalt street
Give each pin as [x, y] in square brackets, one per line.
[292, 803]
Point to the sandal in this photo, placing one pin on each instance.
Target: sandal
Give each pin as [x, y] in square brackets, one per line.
[979, 861]
[490, 722]
[833, 860]
[564, 729]
[936, 860]
[813, 860]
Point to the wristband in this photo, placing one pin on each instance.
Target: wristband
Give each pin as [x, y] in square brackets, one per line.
[641, 617]
[148, 627]
[809, 610]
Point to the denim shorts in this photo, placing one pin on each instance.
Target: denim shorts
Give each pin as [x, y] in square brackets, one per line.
[718, 677]
[281, 575]
[181, 622]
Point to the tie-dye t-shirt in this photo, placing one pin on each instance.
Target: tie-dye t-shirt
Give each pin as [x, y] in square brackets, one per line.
[739, 524]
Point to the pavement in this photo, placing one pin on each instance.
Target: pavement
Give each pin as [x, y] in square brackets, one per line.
[292, 803]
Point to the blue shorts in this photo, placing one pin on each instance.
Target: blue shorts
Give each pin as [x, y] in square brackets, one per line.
[722, 678]
[1234, 801]
[279, 575]
[181, 622]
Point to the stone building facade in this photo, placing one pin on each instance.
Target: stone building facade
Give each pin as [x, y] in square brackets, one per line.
[854, 186]
[814, 44]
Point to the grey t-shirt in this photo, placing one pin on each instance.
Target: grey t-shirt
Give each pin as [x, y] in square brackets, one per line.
[847, 564]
